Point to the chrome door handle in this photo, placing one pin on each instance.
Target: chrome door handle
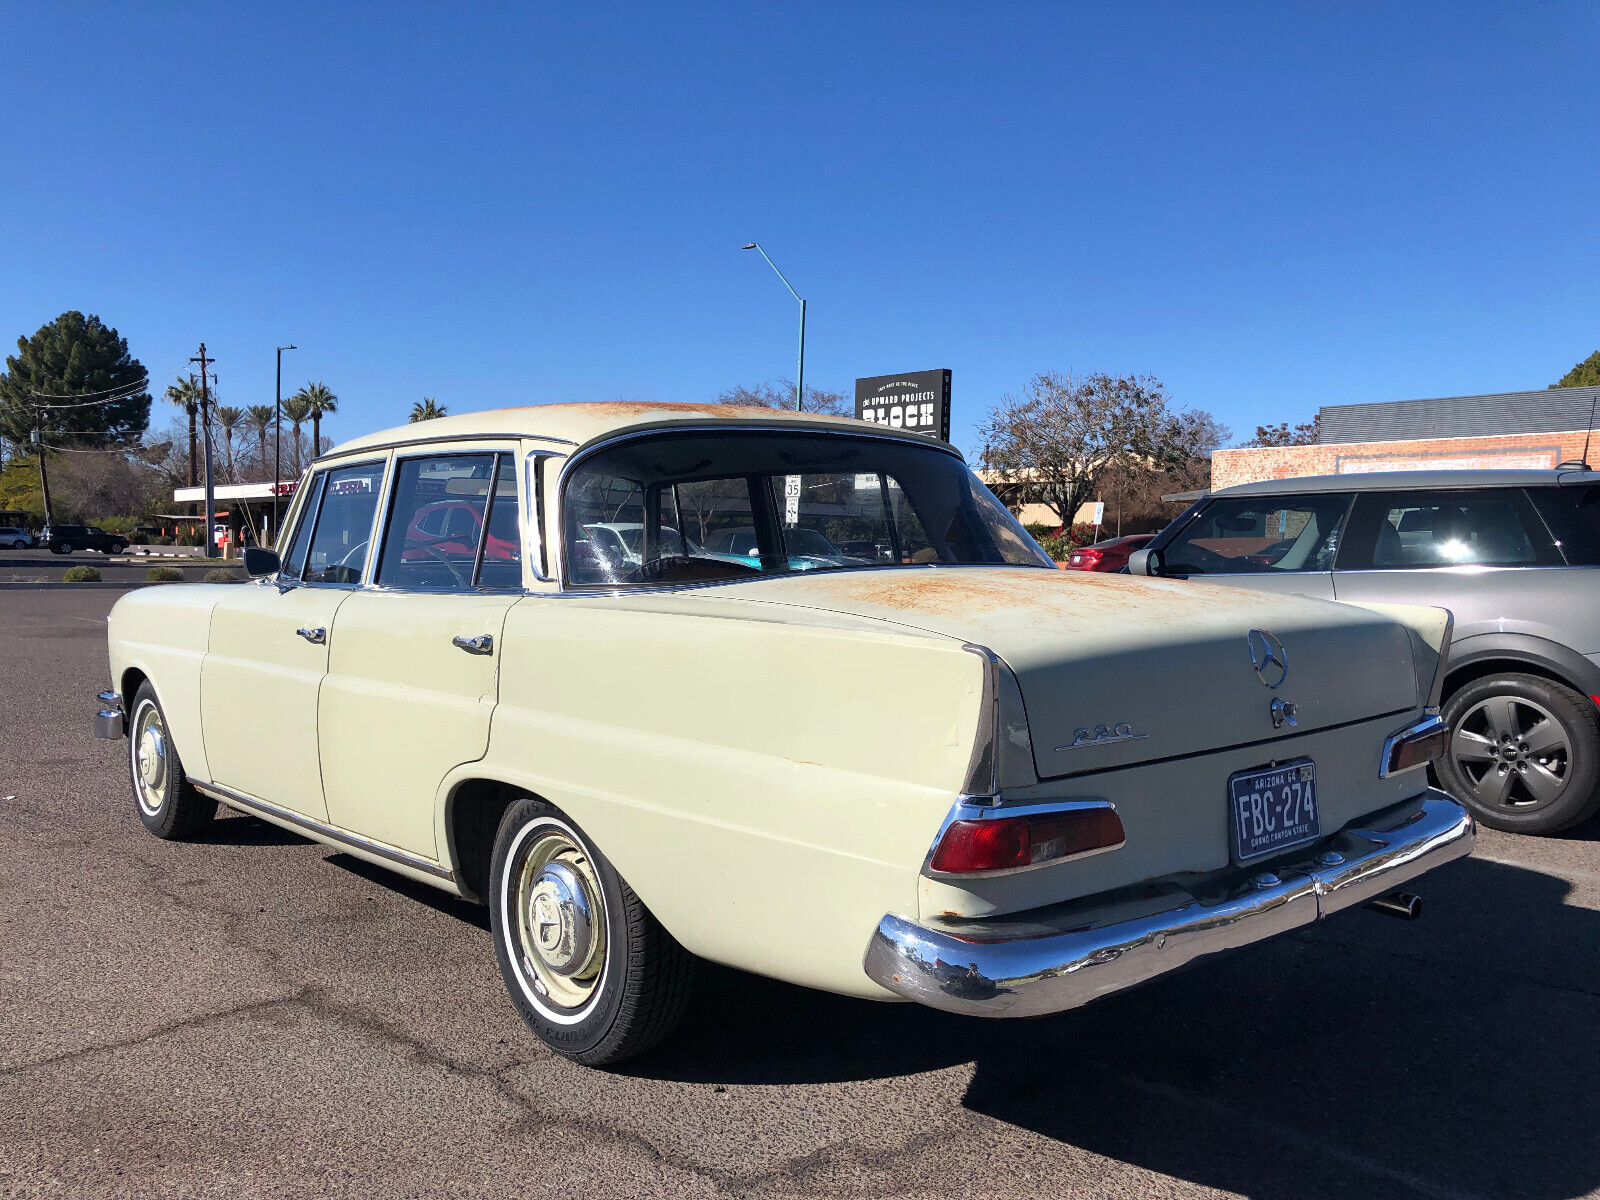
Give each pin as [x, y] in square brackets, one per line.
[316, 637]
[482, 644]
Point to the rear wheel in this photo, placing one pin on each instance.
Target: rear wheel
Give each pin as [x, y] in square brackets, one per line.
[62, 547]
[167, 802]
[588, 966]
[1524, 753]
[115, 548]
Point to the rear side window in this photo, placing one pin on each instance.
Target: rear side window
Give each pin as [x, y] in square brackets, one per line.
[1573, 516]
[446, 512]
[1420, 529]
[1249, 535]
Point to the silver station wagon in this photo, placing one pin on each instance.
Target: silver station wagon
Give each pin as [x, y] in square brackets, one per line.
[792, 693]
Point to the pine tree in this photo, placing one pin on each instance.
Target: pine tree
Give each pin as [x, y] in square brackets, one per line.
[77, 376]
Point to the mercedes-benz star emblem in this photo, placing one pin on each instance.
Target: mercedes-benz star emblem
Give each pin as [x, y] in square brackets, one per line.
[1268, 657]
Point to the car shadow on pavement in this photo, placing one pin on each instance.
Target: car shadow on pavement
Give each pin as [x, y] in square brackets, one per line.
[452, 906]
[1458, 1055]
[237, 829]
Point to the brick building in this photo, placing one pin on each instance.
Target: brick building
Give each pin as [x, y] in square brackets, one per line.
[1511, 429]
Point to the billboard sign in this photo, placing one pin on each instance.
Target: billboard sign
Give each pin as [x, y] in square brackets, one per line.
[918, 401]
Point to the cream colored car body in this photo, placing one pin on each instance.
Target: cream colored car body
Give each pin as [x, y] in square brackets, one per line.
[766, 762]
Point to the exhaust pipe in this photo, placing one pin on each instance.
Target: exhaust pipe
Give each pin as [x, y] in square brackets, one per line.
[1405, 905]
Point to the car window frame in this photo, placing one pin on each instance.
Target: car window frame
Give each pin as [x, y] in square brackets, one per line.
[1163, 542]
[1373, 504]
[499, 455]
[326, 472]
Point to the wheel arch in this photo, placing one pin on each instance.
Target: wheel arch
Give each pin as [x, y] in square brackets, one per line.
[1483, 655]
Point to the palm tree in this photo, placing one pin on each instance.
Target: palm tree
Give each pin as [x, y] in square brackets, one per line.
[185, 393]
[427, 410]
[298, 410]
[319, 399]
[228, 420]
[259, 417]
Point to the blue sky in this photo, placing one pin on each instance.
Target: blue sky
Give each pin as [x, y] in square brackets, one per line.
[1269, 207]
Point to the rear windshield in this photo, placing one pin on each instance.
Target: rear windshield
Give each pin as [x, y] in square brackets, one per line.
[706, 506]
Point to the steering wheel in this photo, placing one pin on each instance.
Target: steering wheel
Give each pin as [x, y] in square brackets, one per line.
[429, 543]
[1203, 562]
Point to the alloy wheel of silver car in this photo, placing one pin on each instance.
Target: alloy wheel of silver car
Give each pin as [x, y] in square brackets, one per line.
[1524, 753]
[1513, 751]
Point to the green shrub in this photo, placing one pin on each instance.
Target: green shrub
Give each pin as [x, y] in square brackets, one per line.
[163, 575]
[81, 575]
[1058, 546]
[221, 575]
[161, 539]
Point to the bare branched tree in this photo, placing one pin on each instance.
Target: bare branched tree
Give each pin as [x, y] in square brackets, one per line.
[779, 393]
[1064, 433]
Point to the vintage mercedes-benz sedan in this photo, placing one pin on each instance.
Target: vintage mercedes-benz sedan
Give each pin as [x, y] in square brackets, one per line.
[609, 669]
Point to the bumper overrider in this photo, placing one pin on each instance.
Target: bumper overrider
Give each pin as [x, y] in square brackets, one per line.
[108, 721]
[1056, 958]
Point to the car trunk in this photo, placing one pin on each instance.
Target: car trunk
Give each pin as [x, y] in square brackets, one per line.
[1116, 671]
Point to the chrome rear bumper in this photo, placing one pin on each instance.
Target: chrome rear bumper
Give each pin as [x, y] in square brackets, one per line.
[108, 722]
[1057, 958]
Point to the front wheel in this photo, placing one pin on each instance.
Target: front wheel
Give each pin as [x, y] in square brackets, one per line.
[167, 802]
[61, 548]
[1524, 753]
[588, 966]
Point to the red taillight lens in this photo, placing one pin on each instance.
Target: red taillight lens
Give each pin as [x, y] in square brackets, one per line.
[1006, 843]
[1418, 749]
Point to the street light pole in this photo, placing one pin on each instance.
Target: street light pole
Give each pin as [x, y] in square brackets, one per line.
[800, 369]
[277, 439]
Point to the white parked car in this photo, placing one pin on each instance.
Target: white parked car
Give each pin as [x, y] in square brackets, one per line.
[958, 776]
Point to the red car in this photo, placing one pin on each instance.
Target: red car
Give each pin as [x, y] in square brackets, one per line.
[1109, 555]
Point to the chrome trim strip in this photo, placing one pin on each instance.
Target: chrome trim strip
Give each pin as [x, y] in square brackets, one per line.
[385, 447]
[983, 766]
[254, 806]
[1430, 726]
[993, 808]
[1064, 956]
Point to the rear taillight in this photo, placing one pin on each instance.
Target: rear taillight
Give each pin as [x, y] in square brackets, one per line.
[1415, 747]
[1011, 843]
[1087, 559]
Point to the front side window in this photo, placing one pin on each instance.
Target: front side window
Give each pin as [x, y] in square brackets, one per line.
[1483, 527]
[447, 511]
[294, 559]
[1252, 536]
[698, 507]
[343, 532]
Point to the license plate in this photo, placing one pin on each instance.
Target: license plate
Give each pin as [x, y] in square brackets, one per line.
[1273, 808]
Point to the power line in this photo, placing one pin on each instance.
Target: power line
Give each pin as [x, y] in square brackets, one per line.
[80, 395]
[93, 403]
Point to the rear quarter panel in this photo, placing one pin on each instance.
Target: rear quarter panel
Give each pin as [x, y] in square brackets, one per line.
[162, 633]
[769, 789]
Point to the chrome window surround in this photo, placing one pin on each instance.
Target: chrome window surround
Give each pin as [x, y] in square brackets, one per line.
[533, 514]
[965, 809]
[591, 448]
[405, 443]
[285, 583]
[369, 578]
[1432, 725]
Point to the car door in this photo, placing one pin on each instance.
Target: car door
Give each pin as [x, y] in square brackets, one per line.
[1275, 543]
[412, 669]
[268, 648]
[1455, 548]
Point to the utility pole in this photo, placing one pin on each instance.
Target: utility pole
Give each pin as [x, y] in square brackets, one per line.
[44, 478]
[210, 541]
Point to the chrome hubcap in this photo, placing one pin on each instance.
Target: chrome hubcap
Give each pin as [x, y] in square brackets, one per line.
[150, 759]
[1512, 752]
[560, 914]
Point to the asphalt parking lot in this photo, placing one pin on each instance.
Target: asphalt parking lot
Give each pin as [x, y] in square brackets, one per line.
[256, 1014]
